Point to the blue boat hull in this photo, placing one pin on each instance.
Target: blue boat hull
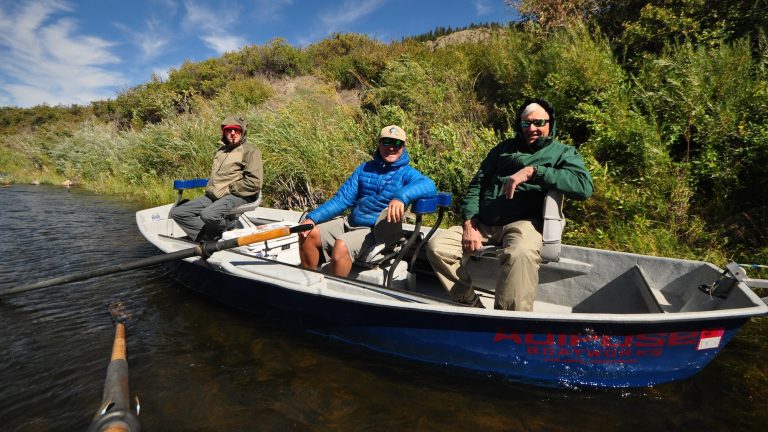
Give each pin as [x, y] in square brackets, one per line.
[544, 352]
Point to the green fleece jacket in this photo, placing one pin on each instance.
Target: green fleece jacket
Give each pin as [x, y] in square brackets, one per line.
[558, 166]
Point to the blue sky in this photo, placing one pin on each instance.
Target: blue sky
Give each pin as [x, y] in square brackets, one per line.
[74, 52]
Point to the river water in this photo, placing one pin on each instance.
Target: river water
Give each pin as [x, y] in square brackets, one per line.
[199, 366]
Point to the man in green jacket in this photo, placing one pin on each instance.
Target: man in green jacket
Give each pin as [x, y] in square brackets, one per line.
[503, 207]
[236, 177]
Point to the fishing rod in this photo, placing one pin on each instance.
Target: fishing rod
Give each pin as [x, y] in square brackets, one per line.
[115, 413]
[204, 250]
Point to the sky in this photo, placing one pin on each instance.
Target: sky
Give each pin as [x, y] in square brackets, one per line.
[64, 52]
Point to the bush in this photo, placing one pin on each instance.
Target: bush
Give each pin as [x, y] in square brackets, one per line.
[569, 66]
[205, 78]
[713, 107]
[281, 59]
[147, 104]
[352, 60]
[243, 95]
[429, 95]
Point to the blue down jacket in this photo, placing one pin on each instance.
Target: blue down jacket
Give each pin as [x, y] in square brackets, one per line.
[370, 189]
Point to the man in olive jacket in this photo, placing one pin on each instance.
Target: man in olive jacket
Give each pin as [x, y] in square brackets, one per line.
[503, 207]
[236, 177]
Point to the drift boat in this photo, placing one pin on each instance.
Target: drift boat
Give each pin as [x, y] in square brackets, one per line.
[600, 319]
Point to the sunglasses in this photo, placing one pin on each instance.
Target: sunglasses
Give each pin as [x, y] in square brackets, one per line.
[230, 130]
[391, 142]
[537, 122]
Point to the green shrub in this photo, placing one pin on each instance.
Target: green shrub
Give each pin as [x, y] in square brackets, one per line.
[567, 67]
[713, 107]
[148, 103]
[280, 59]
[243, 95]
[352, 60]
[205, 78]
[430, 95]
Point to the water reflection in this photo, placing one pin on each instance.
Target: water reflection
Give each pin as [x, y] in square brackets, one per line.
[199, 366]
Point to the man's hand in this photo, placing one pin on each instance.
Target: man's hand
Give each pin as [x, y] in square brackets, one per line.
[522, 176]
[395, 211]
[471, 239]
[304, 234]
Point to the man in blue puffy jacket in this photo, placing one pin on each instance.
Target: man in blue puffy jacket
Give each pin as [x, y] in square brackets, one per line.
[383, 186]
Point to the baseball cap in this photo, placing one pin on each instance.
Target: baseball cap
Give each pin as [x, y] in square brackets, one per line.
[393, 131]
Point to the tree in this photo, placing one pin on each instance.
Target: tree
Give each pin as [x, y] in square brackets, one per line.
[639, 26]
[551, 14]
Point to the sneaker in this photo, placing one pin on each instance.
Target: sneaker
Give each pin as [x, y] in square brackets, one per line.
[473, 302]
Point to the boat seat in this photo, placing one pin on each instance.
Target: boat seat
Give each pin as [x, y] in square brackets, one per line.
[392, 240]
[233, 217]
[553, 267]
[383, 263]
[373, 264]
[552, 230]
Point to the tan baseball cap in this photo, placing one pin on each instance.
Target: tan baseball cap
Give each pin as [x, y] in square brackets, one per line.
[393, 131]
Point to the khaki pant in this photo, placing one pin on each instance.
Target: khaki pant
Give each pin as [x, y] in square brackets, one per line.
[358, 239]
[339, 229]
[519, 259]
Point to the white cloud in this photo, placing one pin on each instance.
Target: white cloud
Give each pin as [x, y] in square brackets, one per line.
[209, 24]
[348, 13]
[45, 60]
[222, 43]
[152, 41]
[482, 7]
[58, 41]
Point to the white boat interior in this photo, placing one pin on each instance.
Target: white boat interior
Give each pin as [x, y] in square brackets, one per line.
[604, 284]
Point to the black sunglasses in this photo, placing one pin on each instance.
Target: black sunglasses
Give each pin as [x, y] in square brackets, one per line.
[538, 123]
[391, 142]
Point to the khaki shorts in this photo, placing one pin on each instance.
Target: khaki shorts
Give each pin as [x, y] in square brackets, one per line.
[357, 239]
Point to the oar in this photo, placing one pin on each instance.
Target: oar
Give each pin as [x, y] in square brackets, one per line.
[115, 413]
[204, 250]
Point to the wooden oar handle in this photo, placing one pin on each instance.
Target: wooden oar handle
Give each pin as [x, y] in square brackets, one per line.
[207, 249]
[263, 236]
[272, 234]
